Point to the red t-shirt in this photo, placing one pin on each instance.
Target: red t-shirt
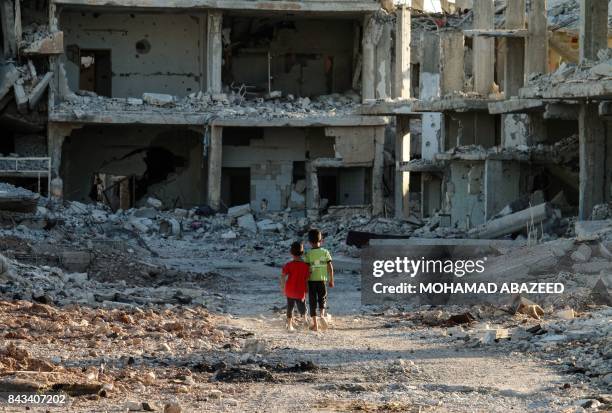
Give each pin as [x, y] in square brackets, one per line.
[298, 273]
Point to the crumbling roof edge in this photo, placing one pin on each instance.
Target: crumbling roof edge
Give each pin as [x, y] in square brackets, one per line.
[277, 5]
[310, 121]
[199, 118]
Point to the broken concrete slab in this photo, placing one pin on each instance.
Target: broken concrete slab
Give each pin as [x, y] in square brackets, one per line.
[512, 223]
[247, 222]
[582, 253]
[154, 203]
[267, 225]
[238, 210]
[38, 90]
[592, 230]
[145, 212]
[21, 98]
[158, 99]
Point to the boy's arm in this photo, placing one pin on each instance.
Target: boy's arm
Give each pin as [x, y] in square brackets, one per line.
[283, 279]
[330, 271]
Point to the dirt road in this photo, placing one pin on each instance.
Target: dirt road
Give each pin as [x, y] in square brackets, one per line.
[369, 362]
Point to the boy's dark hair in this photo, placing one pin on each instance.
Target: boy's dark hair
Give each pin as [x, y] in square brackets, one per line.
[297, 249]
[314, 236]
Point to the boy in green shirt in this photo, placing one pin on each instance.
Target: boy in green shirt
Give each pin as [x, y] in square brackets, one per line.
[321, 272]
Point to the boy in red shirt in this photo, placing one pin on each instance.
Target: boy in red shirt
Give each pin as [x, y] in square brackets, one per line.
[294, 277]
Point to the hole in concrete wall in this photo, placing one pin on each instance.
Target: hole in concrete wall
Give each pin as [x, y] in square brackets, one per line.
[299, 171]
[560, 129]
[343, 186]
[143, 46]
[160, 164]
[328, 185]
[95, 71]
[235, 186]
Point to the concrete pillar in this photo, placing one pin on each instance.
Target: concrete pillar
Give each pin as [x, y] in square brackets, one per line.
[452, 71]
[313, 198]
[402, 53]
[483, 48]
[214, 51]
[429, 79]
[432, 134]
[54, 86]
[368, 75]
[402, 179]
[383, 63]
[592, 144]
[432, 124]
[536, 51]
[7, 15]
[215, 160]
[18, 28]
[514, 70]
[593, 28]
[378, 200]
[501, 185]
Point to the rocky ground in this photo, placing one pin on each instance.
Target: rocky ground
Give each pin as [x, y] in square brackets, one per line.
[120, 312]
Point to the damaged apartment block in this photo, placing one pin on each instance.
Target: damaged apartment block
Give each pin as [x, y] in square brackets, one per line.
[466, 116]
[209, 103]
[509, 123]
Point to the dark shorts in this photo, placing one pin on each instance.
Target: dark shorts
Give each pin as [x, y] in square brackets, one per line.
[317, 296]
[294, 302]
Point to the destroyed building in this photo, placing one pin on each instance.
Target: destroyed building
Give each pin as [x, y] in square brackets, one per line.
[195, 104]
[498, 133]
[306, 105]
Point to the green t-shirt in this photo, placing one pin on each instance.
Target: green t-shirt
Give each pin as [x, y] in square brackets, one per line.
[318, 258]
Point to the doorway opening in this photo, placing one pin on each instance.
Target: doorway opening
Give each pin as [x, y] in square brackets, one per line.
[235, 186]
[95, 72]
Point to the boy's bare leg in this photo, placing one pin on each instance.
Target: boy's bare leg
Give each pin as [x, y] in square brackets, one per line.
[315, 324]
[290, 324]
[323, 320]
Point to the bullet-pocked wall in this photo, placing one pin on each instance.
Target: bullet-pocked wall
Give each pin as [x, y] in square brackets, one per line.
[298, 56]
[127, 54]
[166, 162]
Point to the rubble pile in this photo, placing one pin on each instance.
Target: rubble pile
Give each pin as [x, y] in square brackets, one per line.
[28, 85]
[565, 15]
[575, 73]
[67, 349]
[578, 342]
[8, 190]
[231, 104]
[34, 32]
[562, 151]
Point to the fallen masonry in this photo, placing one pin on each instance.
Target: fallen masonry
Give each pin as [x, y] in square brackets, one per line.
[158, 160]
